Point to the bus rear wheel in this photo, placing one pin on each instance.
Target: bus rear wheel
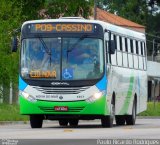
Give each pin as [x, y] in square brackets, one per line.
[73, 122]
[36, 121]
[63, 122]
[131, 119]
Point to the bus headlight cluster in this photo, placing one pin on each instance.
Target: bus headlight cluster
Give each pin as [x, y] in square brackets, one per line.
[95, 96]
[27, 96]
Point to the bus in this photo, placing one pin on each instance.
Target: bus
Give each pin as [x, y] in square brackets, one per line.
[75, 69]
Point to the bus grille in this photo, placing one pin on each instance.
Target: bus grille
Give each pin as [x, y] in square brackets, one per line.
[63, 90]
[70, 109]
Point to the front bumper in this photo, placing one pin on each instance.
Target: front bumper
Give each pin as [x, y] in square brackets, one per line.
[99, 107]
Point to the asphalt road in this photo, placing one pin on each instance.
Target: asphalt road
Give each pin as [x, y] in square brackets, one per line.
[144, 129]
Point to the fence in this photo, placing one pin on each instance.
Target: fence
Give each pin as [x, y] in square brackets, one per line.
[8, 90]
[9, 94]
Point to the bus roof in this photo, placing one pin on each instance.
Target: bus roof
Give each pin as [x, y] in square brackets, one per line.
[105, 25]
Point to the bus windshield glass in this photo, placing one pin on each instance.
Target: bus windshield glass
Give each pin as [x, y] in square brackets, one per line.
[62, 58]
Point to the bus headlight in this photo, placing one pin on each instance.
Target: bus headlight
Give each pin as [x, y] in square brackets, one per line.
[27, 96]
[95, 96]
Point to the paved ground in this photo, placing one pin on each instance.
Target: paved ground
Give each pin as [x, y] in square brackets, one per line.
[144, 129]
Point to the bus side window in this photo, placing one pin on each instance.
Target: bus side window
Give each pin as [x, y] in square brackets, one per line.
[119, 52]
[130, 55]
[142, 48]
[137, 48]
[115, 40]
[120, 43]
[125, 56]
[114, 56]
[126, 44]
[131, 45]
[135, 56]
[140, 56]
[137, 51]
[107, 51]
[144, 56]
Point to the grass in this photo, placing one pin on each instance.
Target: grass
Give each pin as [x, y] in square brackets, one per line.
[151, 109]
[11, 112]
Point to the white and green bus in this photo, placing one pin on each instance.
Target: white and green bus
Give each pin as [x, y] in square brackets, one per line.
[78, 69]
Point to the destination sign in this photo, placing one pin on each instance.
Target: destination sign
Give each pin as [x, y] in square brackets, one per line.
[42, 74]
[61, 27]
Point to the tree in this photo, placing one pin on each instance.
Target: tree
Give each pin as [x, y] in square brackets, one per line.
[139, 11]
[29, 8]
[12, 15]
[56, 8]
[8, 20]
[134, 10]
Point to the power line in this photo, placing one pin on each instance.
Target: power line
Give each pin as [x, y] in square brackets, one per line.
[152, 35]
[152, 41]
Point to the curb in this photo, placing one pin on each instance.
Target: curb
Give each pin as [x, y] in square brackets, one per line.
[148, 117]
[13, 122]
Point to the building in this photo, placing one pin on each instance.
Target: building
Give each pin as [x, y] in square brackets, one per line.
[119, 21]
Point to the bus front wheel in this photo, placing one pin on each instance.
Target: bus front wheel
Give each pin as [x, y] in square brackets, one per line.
[107, 121]
[36, 121]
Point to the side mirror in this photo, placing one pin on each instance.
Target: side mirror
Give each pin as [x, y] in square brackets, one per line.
[112, 47]
[14, 46]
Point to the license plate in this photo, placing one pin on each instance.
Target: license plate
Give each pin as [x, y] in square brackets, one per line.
[61, 108]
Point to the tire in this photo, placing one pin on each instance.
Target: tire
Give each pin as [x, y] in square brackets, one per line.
[131, 119]
[73, 122]
[36, 121]
[120, 119]
[63, 122]
[107, 121]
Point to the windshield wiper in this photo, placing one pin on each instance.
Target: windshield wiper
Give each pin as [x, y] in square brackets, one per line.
[74, 45]
[47, 50]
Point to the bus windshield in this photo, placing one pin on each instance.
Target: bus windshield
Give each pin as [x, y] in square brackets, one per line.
[62, 58]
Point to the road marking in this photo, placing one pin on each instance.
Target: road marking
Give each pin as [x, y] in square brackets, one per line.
[68, 130]
[128, 127]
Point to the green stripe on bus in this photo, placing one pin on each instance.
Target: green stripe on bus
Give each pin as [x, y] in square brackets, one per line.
[125, 107]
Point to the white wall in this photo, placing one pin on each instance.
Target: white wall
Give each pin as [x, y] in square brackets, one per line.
[153, 69]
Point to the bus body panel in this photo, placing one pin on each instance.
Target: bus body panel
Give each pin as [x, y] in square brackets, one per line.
[77, 107]
[126, 83]
[73, 101]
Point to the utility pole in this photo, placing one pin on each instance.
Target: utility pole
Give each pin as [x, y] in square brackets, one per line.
[153, 50]
[95, 9]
